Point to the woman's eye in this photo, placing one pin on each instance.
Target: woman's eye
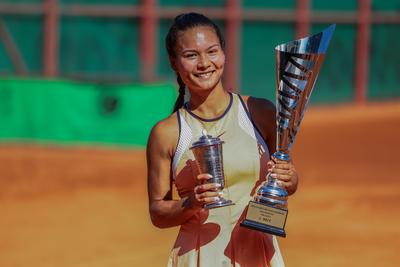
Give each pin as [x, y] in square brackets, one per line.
[190, 55]
[212, 52]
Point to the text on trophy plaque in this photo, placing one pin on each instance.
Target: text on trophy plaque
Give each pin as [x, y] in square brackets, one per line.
[266, 214]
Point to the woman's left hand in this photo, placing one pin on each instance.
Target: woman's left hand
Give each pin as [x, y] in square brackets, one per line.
[285, 172]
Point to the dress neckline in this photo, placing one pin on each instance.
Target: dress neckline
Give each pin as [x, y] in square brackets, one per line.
[212, 119]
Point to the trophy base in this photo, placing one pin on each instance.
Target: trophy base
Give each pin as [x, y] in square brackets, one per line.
[217, 204]
[264, 228]
[265, 218]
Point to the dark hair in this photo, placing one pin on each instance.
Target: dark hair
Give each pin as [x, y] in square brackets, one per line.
[182, 23]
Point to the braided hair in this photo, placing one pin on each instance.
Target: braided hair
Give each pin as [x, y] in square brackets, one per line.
[182, 23]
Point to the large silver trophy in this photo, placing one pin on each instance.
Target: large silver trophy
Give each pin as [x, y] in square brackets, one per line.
[298, 63]
[208, 154]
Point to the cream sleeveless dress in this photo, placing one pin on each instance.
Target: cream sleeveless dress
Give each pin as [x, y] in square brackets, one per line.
[214, 238]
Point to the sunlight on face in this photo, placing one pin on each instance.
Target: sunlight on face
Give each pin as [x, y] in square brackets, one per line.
[200, 38]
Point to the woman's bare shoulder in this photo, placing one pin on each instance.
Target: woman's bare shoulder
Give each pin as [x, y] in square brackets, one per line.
[258, 105]
[262, 112]
[165, 133]
[168, 125]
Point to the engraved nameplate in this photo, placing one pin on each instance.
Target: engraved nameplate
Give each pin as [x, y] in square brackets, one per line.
[268, 215]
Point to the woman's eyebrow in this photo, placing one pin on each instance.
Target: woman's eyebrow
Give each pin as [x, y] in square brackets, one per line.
[189, 50]
[195, 51]
[212, 46]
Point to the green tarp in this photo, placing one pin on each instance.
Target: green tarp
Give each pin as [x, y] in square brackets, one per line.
[70, 112]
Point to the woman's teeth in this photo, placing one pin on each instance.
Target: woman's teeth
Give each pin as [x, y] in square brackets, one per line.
[204, 75]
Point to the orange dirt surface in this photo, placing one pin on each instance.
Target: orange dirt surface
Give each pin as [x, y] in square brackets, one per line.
[85, 206]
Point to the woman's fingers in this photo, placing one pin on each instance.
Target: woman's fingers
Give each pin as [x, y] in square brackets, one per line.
[207, 196]
[286, 175]
[282, 173]
[281, 176]
[206, 187]
[203, 177]
[289, 186]
[206, 192]
[270, 164]
[203, 185]
[282, 166]
[285, 184]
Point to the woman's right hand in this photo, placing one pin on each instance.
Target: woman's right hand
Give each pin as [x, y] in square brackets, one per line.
[205, 192]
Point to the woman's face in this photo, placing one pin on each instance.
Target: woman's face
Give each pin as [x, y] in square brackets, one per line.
[199, 58]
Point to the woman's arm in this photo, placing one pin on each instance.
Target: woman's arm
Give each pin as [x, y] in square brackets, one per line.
[164, 211]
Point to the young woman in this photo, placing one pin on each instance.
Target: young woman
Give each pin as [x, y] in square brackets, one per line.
[212, 238]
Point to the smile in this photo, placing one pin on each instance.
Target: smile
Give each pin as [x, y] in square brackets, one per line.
[204, 75]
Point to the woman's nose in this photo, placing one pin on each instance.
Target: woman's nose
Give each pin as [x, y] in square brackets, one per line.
[204, 62]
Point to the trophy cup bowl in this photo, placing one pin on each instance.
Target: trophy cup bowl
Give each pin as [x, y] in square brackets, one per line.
[208, 154]
[298, 63]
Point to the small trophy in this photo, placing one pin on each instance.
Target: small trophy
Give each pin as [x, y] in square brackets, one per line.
[298, 63]
[208, 154]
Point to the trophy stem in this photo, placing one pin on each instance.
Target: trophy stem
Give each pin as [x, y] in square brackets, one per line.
[271, 193]
[219, 203]
[281, 155]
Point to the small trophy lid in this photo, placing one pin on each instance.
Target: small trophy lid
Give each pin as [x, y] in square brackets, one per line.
[206, 140]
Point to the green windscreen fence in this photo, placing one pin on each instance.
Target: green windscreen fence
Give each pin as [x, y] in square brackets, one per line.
[384, 67]
[258, 58]
[71, 112]
[27, 33]
[99, 48]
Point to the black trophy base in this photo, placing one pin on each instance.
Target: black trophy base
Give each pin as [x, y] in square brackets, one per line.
[263, 228]
[218, 204]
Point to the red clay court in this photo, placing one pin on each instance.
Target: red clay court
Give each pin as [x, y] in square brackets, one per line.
[69, 206]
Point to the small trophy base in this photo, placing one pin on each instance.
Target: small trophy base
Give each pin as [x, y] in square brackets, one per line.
[265, 218]
[220, 203]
